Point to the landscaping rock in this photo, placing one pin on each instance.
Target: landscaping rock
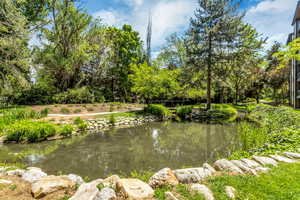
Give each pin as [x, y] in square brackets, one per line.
[111, 181]
[164, 177]
[292, 155]
[5, 182]
[209, 167]
[262, 169]
[50, 184]
[192, 175]
[17, 172]
[244, 167]
[226, 165]
[107, 194]
[33, 174]
[251, 163]
[283, 159]
[230, 192]
[170, 196]
[134, 189]
[202, 189]
[265, 160]
[76, 179]
[87, 191]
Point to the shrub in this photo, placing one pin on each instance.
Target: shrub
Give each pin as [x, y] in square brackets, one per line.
[112, 119]
[65, 130]
[75, 96]
[44, 112]
[183, 111]
[65, 110]
[157, 110]
[81, 124]
[31, 131]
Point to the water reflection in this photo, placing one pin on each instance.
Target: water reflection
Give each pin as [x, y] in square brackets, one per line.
[148, 147]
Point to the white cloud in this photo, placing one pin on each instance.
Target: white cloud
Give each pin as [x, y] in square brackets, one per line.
[273, 19]
[168, 16]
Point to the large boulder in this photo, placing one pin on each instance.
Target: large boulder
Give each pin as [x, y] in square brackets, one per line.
[50, 184]
[292, 155]
[87, 191]
[243, 167]
[251, 163]
[192, 175]
[134, 189]
[164, 177]
[17, 172]
[76, 179]
[207, 166]
[107, 194]
[265, 160]
[283, 159]
[33, 174]
[204, 190]
[226, 165]
[111, 181]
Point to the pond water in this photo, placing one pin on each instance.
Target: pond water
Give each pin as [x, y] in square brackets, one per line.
[120, 151]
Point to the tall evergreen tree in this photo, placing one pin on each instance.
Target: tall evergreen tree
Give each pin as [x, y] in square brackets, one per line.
[211, 35]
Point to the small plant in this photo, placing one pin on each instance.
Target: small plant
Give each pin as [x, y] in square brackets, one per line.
[184, 111]
[65, 110]
[65, 130]
[81, 124]
[77, 111]
[44, 112]
[90, 109]
[112, 119]
[111, 108]
[158, 110]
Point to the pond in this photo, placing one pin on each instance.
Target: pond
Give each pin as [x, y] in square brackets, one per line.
[120, 151]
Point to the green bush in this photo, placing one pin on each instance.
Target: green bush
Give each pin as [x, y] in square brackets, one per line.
[183, 111]
[112, 119]
[29, 130]
[75, 96]
[157, 110]
[65, 110]
[81, 124]
[65, 130]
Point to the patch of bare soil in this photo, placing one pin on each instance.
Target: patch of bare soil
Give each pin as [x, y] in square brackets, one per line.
[87, 108]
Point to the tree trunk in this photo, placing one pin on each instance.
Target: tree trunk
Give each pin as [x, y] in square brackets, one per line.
[208, 106]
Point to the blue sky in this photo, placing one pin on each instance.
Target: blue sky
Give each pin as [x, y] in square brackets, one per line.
[272, 18]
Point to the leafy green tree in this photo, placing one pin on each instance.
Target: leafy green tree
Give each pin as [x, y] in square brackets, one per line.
[211, 34]
[14, 54]
[65, 50]
[150, 82]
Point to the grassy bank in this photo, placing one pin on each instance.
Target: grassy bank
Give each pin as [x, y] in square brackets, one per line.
[281, 183]
[272, 129]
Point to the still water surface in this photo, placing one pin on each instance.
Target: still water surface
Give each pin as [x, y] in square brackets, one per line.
[147, 147]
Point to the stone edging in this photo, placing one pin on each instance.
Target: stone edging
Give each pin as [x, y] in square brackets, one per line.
[116, 188]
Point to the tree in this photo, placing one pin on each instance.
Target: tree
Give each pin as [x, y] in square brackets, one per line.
[211, 35]
[151, 82]
[65, 50]
[14, 54]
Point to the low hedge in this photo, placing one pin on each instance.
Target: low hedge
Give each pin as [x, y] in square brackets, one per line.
[158, 110]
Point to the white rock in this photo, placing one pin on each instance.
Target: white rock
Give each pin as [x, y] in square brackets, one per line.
[262, 169]
[134, 189]
[33, 175]
[76, 179]
[50, 184]
[226, 165]
[86, 191]
[106, 194]
[283, 159]
[230, 192]
[170, 196]
[265, 160]
[111, 181]
[251, 163]
[209, 167]
[5, 182]
[202, 189]
[163, 177]
[244, 167]
[17, 172]
[192, 175]
[292, 155]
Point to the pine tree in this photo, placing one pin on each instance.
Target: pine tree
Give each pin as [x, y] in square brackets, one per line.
[210, 36]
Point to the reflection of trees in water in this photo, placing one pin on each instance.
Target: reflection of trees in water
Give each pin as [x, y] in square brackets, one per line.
[145, 147]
